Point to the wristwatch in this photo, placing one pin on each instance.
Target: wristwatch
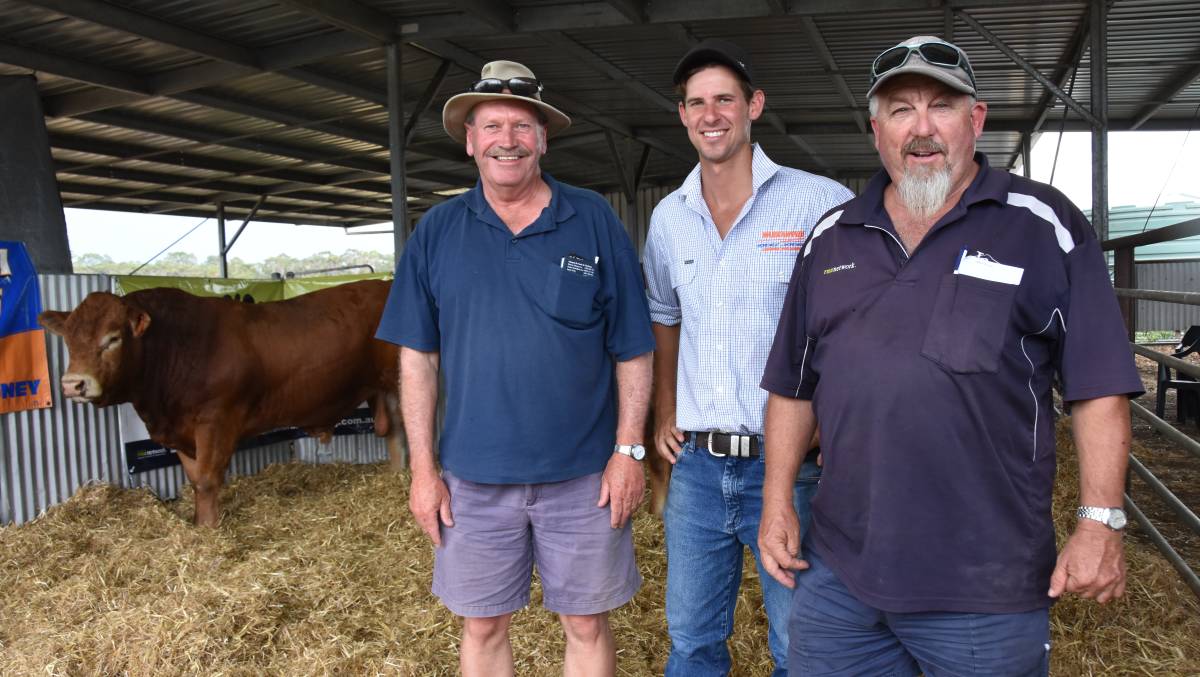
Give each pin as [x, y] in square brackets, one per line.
[635, 451]
[1113, 518]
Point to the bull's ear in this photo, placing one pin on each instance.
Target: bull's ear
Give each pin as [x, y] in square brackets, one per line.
[140, 323]
[53, 320]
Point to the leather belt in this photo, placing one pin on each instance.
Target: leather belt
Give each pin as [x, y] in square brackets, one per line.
[729, 444]
[738, 446]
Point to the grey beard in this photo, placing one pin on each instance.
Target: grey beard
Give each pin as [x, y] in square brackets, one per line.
[924, 195]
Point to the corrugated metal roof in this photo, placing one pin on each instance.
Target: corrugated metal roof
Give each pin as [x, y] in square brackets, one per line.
[173, 105]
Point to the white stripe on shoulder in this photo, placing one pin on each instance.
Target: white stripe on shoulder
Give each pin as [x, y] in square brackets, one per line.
[1043, 210]
[823, 226]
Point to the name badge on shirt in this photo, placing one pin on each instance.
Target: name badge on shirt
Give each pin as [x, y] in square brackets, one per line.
[984, 267]
[573, 263]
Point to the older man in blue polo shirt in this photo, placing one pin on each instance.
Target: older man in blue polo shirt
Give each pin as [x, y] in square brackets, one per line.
[526, 294]
[922, 330]
[718, 257]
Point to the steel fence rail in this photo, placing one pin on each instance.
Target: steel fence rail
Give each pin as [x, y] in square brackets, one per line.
[1188, 368]
[1184, 513]
[1185, 572]
[1185, 297]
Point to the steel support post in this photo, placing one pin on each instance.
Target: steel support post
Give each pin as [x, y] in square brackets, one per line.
[222, 250]
[1099, 87]
[400, 225]
[1026, 153]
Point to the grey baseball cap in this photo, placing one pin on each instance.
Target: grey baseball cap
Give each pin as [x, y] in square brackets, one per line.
[924, 55]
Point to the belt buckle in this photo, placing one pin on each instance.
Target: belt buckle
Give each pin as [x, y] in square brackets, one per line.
[710, 449]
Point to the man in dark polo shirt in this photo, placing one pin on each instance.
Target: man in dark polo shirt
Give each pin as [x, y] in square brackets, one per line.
[922, 329]
[527, 296]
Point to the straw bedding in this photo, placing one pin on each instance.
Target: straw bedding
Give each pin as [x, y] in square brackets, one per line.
[319, 570]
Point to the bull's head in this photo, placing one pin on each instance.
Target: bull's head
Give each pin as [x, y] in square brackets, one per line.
[103, 337]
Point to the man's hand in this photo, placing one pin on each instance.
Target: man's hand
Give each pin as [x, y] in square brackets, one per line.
[429, 501]
[668, 440]
[1091, 564]
[779, 544]
[622, 485]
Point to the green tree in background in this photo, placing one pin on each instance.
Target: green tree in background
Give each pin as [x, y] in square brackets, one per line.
[184, 264]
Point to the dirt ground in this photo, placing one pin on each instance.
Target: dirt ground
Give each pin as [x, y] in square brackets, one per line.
[1178, 469]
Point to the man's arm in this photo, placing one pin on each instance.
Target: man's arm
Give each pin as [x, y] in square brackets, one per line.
[668, 439]
[624, 482]
[790, 424]
[428, 497]
[1092, 563]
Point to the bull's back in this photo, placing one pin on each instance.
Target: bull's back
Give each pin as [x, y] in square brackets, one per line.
[317, 355]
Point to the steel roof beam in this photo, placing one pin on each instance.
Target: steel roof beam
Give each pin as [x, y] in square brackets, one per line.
[777, 7]
[431, 90]
[1166, 95]
[633, 10]
[1071, 57]
[601, 65]
[1026, 66]
[495, 13]
[351, 16]
[180, 80]
[108, 192]
[80, 71]
[831, 67]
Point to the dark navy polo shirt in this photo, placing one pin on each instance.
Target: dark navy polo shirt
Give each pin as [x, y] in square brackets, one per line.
[932, 389]
[527, 346]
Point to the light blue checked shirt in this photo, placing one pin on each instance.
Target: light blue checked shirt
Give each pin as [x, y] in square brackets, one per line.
[728, 293]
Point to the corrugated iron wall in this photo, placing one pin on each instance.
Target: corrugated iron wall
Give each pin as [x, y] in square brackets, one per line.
[46, 455]
[342, 449]
[1167, 276]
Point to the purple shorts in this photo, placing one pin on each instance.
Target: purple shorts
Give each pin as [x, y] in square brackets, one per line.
[500, 531]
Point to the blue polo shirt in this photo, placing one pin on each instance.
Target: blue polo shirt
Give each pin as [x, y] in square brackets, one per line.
[527, 337]
[930, 376]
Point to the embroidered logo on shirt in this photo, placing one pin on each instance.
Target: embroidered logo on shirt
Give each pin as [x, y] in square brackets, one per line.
[838, 269]
[781, 240]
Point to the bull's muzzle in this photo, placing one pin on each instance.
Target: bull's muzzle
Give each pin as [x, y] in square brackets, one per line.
[80, 387]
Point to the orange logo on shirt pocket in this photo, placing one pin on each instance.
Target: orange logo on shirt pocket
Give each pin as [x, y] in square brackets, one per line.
[781, 240]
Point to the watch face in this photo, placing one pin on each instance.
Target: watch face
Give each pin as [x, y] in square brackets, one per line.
[1116, 518]
[638, 452]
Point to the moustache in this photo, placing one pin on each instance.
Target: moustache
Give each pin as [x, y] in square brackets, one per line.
[923, 146]
[518, 151]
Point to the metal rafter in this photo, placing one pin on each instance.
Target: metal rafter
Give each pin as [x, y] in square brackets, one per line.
[279, 58]
[496, 13]
[431, 90]
[634, 10]
[818, 42]
[351, 16]
[1071, 57]
[587, 57]
[777, 7]
[1026, 66]
[1167, 94]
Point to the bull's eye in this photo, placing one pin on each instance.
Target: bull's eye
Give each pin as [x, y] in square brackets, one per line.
[110, 341]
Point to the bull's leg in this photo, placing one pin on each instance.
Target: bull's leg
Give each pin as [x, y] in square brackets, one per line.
[397, 443]
[214, 448]
[660, 480]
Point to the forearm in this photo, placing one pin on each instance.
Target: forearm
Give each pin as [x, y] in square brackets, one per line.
[1101, 431]
[788, 428]
[634, 377]
[666, 365]
[418, 406]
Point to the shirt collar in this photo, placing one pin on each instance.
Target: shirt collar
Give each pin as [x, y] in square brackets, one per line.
[762, 169]
[988, 184]
[560, 208]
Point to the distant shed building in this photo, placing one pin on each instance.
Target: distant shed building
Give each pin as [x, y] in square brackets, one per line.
[1166, 266]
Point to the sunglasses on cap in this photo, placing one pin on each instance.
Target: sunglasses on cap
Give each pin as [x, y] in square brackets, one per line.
[526, 87]
[941, 54]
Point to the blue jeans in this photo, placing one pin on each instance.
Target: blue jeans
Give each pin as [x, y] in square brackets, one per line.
[835, 634]
[713, 510]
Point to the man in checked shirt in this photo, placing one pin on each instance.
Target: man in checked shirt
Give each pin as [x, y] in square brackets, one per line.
[718, 258]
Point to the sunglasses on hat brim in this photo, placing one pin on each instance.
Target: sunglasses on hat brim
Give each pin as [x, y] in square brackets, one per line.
[520, 86]
[941, 54]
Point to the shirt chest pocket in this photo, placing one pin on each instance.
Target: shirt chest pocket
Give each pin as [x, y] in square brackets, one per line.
[571, 297]
[969, 324]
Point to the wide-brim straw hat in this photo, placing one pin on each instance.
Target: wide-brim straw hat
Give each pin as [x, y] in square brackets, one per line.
[454, 114]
